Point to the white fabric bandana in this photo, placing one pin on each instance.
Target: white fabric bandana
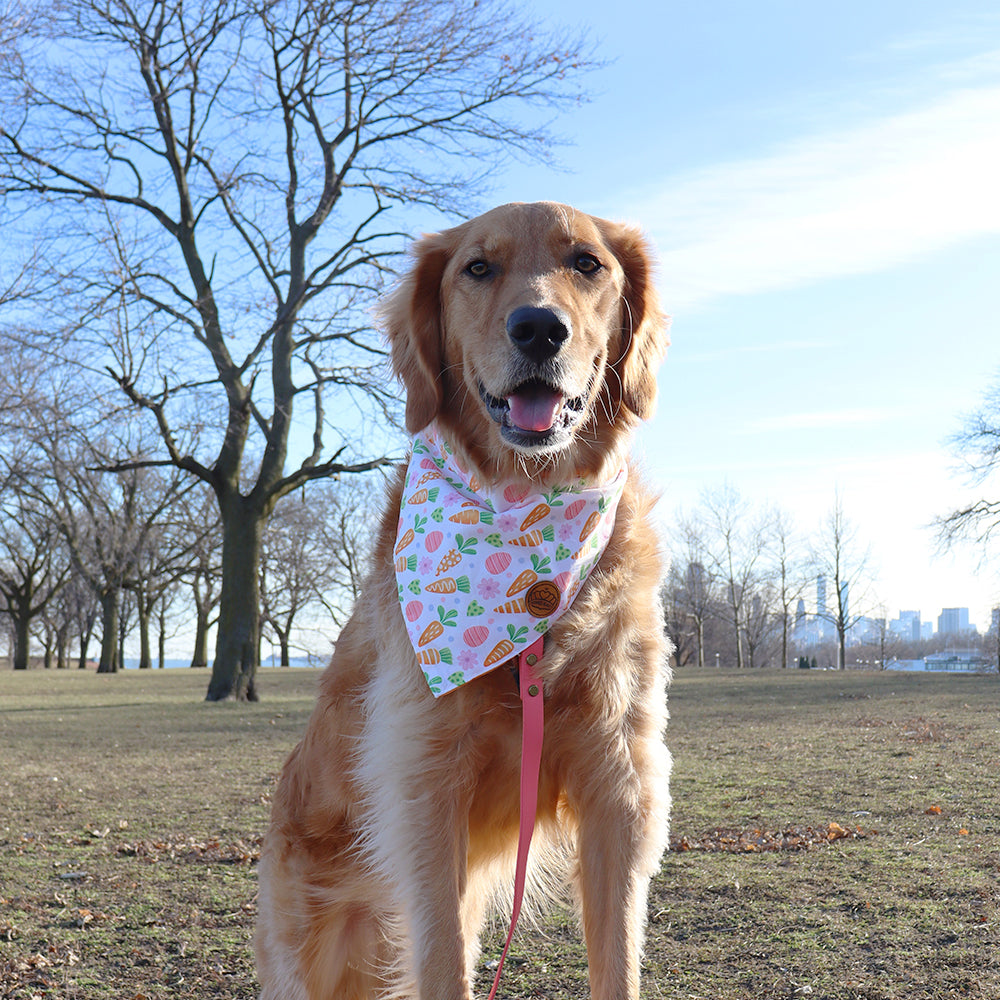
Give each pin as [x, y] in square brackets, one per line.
[483, 573]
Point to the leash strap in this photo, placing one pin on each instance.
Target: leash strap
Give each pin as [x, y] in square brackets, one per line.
[532, 730]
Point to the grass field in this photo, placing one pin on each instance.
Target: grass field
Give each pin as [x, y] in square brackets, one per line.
[834, 836]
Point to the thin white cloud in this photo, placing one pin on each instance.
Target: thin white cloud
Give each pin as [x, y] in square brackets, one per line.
[852, 202]
[820, 420]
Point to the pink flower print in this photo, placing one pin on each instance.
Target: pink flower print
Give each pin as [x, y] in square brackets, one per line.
[508, 522]
[426, 566]
[565, 531]
[488, 588]
[468, 659]
[451, 499]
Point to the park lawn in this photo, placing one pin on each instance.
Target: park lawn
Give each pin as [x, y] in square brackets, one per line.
[833, 836]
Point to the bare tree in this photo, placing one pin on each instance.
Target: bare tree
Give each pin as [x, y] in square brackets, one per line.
[760, 623]
[311, 558]
[34, 565]
[735, 544]
[978, 447]
[840, 558]
[691, 585]
[164, 551]
[790, 580]
[244, 171]
[203, 575]
[105, 520]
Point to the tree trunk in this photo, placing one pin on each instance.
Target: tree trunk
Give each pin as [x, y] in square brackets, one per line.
[84, 645]
[162, 648]
[21, 641]
[62, 647]
[145, 652]
[109, 633]
[86, 632]
[200, 657]
[237, 644]
[841, 651]
[738, 637]
[701, 643]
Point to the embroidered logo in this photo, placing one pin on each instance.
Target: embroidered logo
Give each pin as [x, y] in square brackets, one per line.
[482, 573]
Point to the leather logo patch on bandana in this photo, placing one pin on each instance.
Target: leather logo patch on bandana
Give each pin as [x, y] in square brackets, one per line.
[483, 573]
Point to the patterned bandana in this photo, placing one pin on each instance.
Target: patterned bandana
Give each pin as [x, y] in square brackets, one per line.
[483, 573]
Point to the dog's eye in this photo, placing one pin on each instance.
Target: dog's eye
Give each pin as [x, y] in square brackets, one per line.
[586, 263]
[478, 269]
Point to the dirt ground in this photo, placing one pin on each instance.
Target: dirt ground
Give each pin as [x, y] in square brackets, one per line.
[833, 836]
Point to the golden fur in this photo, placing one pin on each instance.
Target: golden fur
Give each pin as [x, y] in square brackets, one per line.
[395, 822]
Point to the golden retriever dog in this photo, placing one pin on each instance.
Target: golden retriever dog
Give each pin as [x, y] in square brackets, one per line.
[527, 339]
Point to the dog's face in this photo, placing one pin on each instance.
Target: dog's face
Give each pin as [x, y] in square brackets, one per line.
[531, 334]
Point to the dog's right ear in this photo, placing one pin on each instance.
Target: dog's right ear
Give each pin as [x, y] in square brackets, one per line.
[412, 319]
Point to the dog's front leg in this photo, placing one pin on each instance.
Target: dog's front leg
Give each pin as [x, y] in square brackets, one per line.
[436, 884]
[415, 834]
[621, 838]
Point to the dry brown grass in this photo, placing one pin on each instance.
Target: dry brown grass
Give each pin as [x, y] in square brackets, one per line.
[131, 811]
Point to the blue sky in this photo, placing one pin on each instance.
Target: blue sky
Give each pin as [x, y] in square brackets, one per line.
[821, 184]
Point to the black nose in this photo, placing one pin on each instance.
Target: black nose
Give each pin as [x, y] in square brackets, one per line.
[538, 333]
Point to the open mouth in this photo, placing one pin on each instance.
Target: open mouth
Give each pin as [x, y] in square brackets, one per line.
[535, 414]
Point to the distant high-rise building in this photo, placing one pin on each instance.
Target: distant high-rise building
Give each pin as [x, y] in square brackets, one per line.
[800, 611]
[906, 626]
[821, 594]
[954, 621]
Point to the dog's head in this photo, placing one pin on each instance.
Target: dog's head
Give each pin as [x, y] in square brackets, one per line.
[532, 335]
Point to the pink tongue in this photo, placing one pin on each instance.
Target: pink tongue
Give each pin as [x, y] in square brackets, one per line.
[534, 409]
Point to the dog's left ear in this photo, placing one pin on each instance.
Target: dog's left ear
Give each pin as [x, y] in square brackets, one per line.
[411, 316]
[645, 327]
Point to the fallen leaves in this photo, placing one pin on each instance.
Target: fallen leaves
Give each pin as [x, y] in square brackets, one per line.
[239, 852]
[794, 838]
[35, 970]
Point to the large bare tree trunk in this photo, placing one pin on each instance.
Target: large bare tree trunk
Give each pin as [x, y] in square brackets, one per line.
[109, 633]
[237, 647]
[21, 639]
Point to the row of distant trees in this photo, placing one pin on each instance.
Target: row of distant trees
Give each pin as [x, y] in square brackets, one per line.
[99, 565]
[738, 572]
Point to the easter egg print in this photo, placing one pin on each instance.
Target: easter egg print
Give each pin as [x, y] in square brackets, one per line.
[475, 635]
[498, 562]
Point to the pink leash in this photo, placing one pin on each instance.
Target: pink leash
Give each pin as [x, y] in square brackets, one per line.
[532, 729]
